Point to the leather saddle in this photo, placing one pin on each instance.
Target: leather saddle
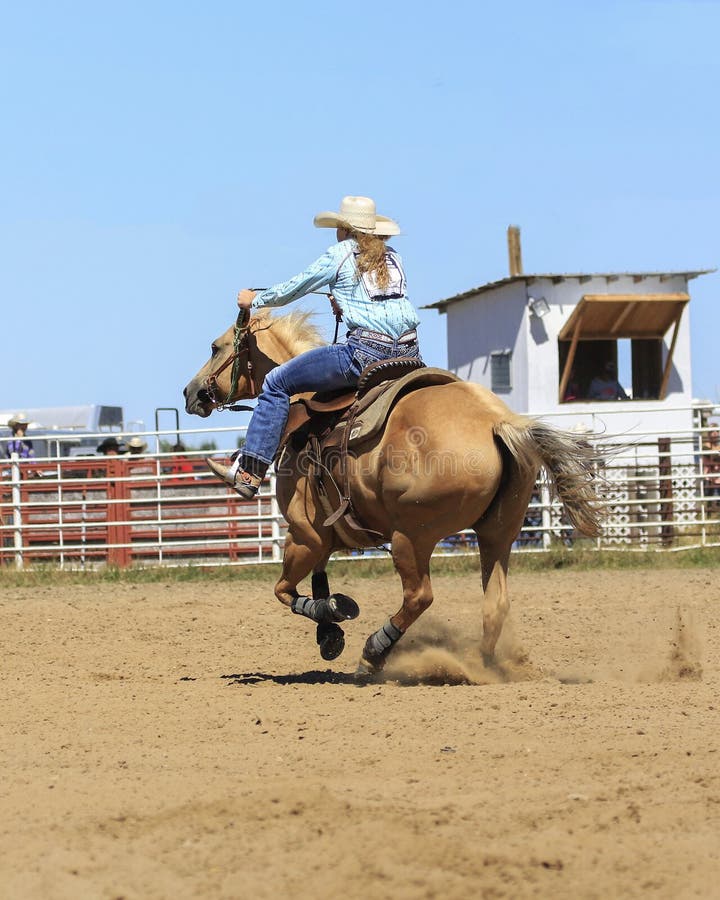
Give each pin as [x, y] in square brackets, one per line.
[322, 411]
[331, 424]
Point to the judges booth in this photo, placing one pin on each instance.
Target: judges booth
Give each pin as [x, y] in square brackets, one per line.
[539, 341]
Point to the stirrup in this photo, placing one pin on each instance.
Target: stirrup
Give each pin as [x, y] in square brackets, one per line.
[243, 483]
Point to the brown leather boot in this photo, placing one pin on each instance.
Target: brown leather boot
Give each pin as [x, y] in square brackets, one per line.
[243, 483]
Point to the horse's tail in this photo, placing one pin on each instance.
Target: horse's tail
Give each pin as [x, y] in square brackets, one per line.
[569, 461]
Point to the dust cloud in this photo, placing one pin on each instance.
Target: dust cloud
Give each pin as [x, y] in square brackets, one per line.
[433, 652]
[437, 654]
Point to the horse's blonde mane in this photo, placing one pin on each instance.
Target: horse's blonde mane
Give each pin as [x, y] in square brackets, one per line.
[294, 330]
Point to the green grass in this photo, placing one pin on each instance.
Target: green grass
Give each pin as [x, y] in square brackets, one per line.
[370, 567]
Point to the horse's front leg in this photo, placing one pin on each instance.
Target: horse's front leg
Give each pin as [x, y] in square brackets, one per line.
[324, 608]
[412, 562]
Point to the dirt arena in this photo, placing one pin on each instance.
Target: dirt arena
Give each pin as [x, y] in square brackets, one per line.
[186, 740]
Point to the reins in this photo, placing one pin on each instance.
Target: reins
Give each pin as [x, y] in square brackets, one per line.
[334, 306]
[241, 346]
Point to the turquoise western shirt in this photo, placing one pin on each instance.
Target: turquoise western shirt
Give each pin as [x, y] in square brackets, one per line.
[363, 303]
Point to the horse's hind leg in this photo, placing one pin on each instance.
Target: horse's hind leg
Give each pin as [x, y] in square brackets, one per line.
[496, 532]
[496, 602]
[412, 563]
[324, 608]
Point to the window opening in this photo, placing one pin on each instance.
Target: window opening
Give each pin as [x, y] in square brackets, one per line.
[500, 381]
[636, 364]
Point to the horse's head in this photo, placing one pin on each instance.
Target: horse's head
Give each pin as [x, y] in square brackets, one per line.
[242, 357]
[228, 375]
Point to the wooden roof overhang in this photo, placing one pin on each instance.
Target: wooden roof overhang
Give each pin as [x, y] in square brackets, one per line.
[613, 316]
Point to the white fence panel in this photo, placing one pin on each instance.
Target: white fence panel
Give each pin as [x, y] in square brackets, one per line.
[164, 508]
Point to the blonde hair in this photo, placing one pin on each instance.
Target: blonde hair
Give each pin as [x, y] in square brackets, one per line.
[372, 256]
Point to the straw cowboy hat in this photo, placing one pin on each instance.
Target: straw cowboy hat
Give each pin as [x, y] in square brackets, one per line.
[359, 214]
[136, 445]
[19, 419]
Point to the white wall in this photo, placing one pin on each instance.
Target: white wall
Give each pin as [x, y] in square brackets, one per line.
[500, 318]
[478, 326]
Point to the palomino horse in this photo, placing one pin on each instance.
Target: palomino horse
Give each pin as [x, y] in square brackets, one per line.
[451, 456]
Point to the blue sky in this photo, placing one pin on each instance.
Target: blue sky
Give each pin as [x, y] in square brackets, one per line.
[157, 157]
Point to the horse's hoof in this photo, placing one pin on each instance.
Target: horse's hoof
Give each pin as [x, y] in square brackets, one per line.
[343, 607]
[365, 671]
[331, 640]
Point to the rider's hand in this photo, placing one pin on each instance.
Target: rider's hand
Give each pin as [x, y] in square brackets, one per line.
[245, 297]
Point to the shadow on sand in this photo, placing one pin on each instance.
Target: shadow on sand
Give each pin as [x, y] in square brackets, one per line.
[327, 676]
[430, 678]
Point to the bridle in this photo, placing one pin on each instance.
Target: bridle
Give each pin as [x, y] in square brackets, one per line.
[241, 348]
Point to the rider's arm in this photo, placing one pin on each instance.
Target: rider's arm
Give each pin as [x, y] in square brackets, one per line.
[317, 275]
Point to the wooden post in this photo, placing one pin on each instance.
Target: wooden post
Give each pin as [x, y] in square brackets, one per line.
[570, 360]
[117, 513]
[668, 361]
[666, 494]
[514, 250]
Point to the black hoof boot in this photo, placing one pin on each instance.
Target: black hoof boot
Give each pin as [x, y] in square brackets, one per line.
[335, 608]
[376, 651]
[331, 640]
[343, 607]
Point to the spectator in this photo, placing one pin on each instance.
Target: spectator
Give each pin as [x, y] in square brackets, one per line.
[136, 446]
[110, 447]
[19, 443]
[606, 386]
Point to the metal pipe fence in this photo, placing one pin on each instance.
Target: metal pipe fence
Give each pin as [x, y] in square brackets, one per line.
[165, 508]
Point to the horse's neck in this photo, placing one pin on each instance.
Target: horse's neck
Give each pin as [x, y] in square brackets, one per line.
[270, 353]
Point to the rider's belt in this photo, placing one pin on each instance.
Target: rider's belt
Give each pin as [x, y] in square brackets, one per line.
[408, 337]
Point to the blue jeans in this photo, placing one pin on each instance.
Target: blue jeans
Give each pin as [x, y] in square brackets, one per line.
[328, 368]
